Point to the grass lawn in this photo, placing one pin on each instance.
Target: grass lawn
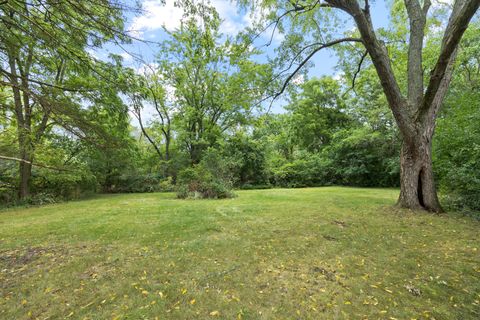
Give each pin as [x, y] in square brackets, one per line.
[317, 253]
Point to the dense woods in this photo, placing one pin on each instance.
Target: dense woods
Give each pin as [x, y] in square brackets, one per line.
[200, 117]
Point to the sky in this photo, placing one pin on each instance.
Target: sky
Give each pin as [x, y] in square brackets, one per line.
[149, 27]
[156, 15]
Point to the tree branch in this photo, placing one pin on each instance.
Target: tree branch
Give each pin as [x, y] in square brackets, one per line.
[301, 64]
[382, 64]
[458, 23]
[417, 19]
[34, 164]
[364, 55]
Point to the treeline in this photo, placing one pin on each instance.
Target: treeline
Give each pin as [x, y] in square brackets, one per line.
[322, 139]
[193, 121]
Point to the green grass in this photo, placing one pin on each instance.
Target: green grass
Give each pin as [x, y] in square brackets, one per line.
[319, 253]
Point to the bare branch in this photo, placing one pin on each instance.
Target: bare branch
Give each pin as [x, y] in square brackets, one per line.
[11, 75]
[138, 114]
[359, 68]
[301, 64]
[34, 164]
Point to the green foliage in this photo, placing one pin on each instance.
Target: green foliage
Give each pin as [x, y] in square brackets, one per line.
[456, 147]
[457, 151]
[215, 84]
[305, 170]
[137, 182]
[362, 157]
[211, 178]
[248, 159]
[317, 112]
[63, 185]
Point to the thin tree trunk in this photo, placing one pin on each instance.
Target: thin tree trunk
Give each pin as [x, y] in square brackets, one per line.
[166, 171]
[25, 171]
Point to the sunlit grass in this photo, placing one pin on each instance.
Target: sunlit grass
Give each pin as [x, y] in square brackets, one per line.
[319, 253]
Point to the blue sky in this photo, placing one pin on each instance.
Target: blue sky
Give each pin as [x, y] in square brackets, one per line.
[149, 27]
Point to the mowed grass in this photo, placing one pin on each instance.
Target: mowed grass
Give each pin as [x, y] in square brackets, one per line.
[318, 253]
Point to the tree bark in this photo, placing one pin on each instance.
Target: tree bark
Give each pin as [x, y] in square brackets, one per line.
[415, 115]
[25, 170]
[417, 185]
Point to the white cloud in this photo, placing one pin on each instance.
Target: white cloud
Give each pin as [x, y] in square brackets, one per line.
[339, 76]
[127, 57]
[147, 68]
[299, 79]
[157, 15]
[232, 23]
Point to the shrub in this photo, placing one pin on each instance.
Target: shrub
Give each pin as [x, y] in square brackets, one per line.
[305, 171]
[139, 183]
[62, 185]
[247, 160]
[212, 178]
[365, 158]
[456, 152]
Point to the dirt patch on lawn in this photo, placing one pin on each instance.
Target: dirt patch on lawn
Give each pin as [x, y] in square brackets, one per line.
[17, 264]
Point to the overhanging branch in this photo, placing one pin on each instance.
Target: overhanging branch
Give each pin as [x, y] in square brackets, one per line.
[34, 164]
[308, 57]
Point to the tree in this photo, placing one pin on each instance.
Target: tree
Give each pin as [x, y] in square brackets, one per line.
[317, 112]
[150, 88]
[457, 143]
[43, 47]
[416, 110]
[213, 81]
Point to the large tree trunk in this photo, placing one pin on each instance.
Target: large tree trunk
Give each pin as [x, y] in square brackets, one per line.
[417, 185]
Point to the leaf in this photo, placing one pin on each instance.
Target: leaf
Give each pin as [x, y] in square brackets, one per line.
[215, 313]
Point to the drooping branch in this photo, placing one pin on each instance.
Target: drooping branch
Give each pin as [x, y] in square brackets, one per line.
[308, 57]
[138, 114]
[34, 164]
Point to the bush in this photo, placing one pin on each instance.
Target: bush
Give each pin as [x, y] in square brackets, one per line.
[139, 183]
[247, 160]
[365, 158]
[199, 183]
[212, 178]
[62, 185]
[456, 152]
[306, 170]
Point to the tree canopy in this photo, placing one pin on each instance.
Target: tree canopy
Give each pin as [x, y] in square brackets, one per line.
[198, 116]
